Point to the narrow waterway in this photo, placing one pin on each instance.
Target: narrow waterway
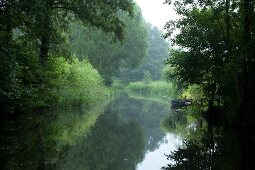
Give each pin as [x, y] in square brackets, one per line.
[122, 135]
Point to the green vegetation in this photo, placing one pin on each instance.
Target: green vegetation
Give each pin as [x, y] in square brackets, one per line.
[79, 83]
[108, 57]
[61, 55]
[76, 55]
[153, 88]
[216, 54]
[154, 60]
[41, 40]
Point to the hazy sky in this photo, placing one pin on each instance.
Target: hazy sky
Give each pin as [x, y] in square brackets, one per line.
[155, 12]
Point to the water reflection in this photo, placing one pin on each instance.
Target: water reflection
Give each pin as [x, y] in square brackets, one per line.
[156, 159]
[147, 113]
[36, 141]
[118, 136]
[202, 146]
[112, 144]
[197, 154]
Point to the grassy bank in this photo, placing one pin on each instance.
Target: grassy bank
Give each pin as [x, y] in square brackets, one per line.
[152, 89]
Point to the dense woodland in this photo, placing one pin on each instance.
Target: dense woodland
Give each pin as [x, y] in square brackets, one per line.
[76, 53]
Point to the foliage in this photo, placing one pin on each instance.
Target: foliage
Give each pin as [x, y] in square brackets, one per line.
[216, 52]
[212, 53]
[167, 72]
[108, 56]
[193, 92]
[33, 32]
[117, 84]
[153, 61]
[79, 83]
[154, 88]
[59, 82]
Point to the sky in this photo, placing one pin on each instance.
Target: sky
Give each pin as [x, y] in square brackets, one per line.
[156, 13]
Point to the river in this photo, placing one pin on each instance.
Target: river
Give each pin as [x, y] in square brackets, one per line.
[124, 134]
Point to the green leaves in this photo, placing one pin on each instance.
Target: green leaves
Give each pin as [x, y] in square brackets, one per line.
[202, 38]
[78, 83]
[32, 32]
[108, 57]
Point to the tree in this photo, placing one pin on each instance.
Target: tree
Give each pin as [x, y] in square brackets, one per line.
[217, 41]
[218, 36]
[154, 60]
[108, 56]
[31, 31]
[205, 57]
[42, 19]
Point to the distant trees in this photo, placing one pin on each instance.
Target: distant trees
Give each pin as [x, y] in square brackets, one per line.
[154, 60]
[108, 56]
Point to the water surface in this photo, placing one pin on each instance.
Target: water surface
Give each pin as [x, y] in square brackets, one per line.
[122, 135]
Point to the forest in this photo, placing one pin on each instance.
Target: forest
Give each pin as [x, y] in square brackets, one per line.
[69, 70]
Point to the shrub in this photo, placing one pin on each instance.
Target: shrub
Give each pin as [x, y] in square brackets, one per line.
[76, 83]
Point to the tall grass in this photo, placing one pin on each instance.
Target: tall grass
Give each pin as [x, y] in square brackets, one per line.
[154, 88]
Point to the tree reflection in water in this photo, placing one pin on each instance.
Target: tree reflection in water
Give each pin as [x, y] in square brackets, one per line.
[147, 113]
[112, 144]
[201, 149]
[197, 154]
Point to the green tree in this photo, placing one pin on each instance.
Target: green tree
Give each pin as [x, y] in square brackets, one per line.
[105, 55]
[43, 19]
[154, 60]
[217, 53]
[32, 32]
[204, 59]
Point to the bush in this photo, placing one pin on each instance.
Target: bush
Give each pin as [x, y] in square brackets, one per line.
[78, 83]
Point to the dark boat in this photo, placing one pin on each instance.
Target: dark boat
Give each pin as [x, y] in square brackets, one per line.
[181, 103]
[176, 105]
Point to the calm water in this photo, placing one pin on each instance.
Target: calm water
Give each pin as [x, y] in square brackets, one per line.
[122, 135]
[156, 159]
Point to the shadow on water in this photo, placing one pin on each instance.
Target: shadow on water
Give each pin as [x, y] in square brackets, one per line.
[116, 136]
[213, 147]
